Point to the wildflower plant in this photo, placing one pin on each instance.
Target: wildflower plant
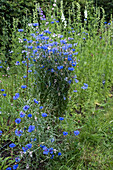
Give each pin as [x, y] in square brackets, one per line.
[38, 138]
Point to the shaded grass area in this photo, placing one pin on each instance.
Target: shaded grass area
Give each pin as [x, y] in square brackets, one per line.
[96, 139]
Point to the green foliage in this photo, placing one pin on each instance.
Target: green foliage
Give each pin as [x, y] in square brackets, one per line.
[107, 5]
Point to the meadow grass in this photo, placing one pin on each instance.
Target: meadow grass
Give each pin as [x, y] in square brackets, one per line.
[62, 93]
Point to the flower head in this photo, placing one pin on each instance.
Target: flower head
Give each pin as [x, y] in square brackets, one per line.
[17, 159]
[65, 133]
[15, 166]
[23, 86]
[36, 101]
[24, 149]
[60, 67]
[18, 120]
[12, 145]
[29, 146]
[31, 128]
[41, 107]
[20, 30]
[70, 68]
[76, 132]
[16, 96]
[45, 150]
[51, 150]
[26, 107]
[4, 95]
[59, 154]
[18, 132]
[9, 168]
[22, 114]
[29, 115]
[61, 118]
[0, 132]
[44, 114]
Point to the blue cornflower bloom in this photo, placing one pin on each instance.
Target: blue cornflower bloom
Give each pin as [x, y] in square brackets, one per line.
[60, 67]
[17, 159]
[35, 24]
[23, 86]
[30, 47]
[52, 156]
[17, 63]
[70, 68]
[41, 107]
[85, 86]
[12, 145]
[69, 59]
[61, 118]
[26, 107]
[23, 62]
[75, 44]
[52, 22]
[31, 128]
[18, 120]
[76, 81]
[74, 90]
[18, 132]
[103, 82]
[2, 90]
[0, 132]
[1, 66]
[20, 30]
[51, 150]
[16, 96]
[22, 114]
[69, 81]
[15, 166]
[42, 146]
[24, 76]
[45, 150]
[52, 70]
[76, 132]
[9, 168]
[34, 139]
[64, 98]
[59, 154]
[29, 146]
[29, 71]
[65, 133]
[52, 140]
[4, 95]
[29, 115]
[24, 149]
[24, 39]
[44, 114]
[36, 101]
